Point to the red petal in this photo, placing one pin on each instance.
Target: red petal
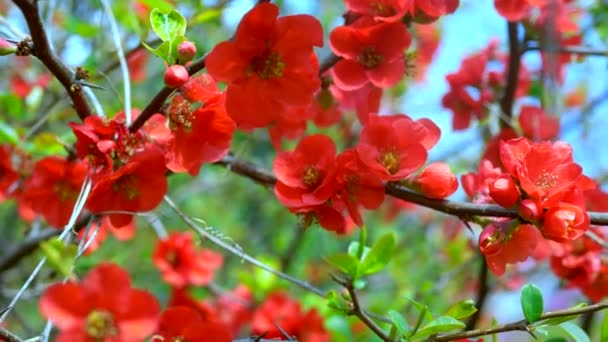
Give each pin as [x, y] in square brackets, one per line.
[65, 305]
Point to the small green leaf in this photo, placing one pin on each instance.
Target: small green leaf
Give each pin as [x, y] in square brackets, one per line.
[531, 302]
[163, 51]
[59, 256]
[353, 249]
[379, 255]
[362, 243]
[345, 263]
[556, 339]
[462, 309]
[399, 322]
[336, 302]
[577, 333]
[439, 325]
[168, 25]
[604, 329]
[8, 134]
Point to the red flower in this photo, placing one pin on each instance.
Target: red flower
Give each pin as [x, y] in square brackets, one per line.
[8, 176]
[137, 186]
[53, 188]
[102, 307]
[201, 135]
[578, 261]
[280, 310]
[181, 323]
[355, 186]
[182, 264]
[545, 171]
[364, 100]
[136, 62]
[371, 53]
[393, 147]
[234, 308]
[507, 242]
[267, 65]
[436, 181]
[565, 222]
[536, 124]
[302, 175]
[381, 10]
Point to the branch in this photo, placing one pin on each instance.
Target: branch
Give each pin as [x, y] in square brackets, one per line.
[358, 311]
[506, 103]
[521, 325]
[43, 51]
[482, 293]
[454, 208]
[8, 336]
[575, 50]
[239, 252]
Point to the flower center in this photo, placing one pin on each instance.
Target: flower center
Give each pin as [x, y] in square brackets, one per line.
[180, 115]
[369, 58]
[127, 186]
[64, 191]
[311, 176]
[100, 324]
[173, 259]
[390, 162]
[545, 180]
[379, 9]
[268, 65]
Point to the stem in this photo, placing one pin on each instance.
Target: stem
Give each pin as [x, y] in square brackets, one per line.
[43, 51]
[482, 293]
[512, 75]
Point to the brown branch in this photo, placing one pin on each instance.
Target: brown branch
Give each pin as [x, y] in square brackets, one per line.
[8, 336]
[454, 208]
[482, 293]
[43, 51]
[512, 75]
[358, 311]
[30, 244]
[521, 325]
[575, 50]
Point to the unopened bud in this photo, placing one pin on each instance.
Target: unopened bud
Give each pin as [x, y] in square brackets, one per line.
[175, 76]
[186, 51]
[7, 48]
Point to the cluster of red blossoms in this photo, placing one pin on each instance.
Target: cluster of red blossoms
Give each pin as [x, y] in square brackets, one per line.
[104, 306]
[548, 189]
[313, 179]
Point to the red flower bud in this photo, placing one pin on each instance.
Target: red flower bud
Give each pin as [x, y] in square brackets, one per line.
[565, 222]
[491, 239]
[176, 76]
[530, 210]
[186, 51]
[6, 48]
[437, 181]
[504, 192]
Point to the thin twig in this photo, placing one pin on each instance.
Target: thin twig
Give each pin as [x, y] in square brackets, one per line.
[241, 254]
[8, 336]
[482, 293]
[512, 74]
[121, 59]
[43, 51]
[521, 325]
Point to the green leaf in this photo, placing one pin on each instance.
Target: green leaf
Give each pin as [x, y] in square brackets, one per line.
[556, 339]
[439, 325]
[462, 309]
[83, 28]
[163, 51]
[353, 249]
[168, 25]
[345, 263]
[379, 255]
[577, 333]
[337, 302]
[531, 302]
[207, 15]
[604, 329]
[8, 134]
[59, 256]
[399, 322]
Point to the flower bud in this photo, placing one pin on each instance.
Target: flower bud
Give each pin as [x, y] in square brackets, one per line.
[437, 181]
[175, 76]
[186, 51]
[530, 210]
[504, 192]
[491, 239]
[6, 48]
[565, 222]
